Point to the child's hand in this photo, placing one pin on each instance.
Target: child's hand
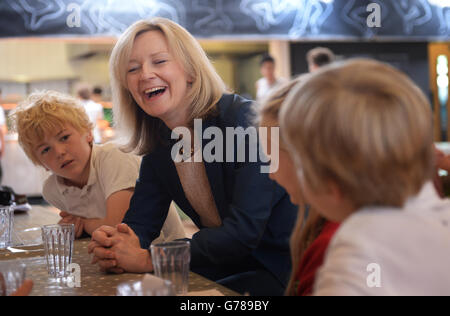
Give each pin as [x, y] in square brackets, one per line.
[25, 289]
[63, 214]
[442, 160]
[72, 219]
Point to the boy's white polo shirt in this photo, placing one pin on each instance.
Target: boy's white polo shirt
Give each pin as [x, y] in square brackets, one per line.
[111, 171]
[391, 251]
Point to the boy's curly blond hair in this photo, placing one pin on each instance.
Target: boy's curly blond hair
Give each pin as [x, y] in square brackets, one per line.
[44, 113]
[366, 127]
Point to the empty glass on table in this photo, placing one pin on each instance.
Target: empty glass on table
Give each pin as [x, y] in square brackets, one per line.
[6, 226]
[58, 246]
[171, 262]
[12, 275]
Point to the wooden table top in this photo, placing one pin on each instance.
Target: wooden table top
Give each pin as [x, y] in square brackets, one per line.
[27, 247]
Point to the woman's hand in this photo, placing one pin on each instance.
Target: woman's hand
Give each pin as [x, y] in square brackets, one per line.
[118, 250]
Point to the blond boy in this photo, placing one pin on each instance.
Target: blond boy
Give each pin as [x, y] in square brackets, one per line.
[362, 140]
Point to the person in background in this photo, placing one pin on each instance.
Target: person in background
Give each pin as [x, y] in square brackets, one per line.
[97, 94]
[102, 124]
[161, 81]
[268, 80]
[310, 237]
[93, 109]
[319, 57]
[3, 125]
[361, 137]
[91, 184]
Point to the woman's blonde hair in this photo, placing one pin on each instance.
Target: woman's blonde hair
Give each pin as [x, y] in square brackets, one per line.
[206, 88]
[364, 126]
[270, 105]
[306, 229]
[42, 114]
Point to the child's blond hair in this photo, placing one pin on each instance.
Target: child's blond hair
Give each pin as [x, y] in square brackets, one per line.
[44, 113]
[270, 106]
[364, 126]
[305, 230]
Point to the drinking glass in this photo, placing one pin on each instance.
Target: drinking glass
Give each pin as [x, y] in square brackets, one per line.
[149, 286]
[58, 245]
[12, 275]
[6, 226]
[171, 262]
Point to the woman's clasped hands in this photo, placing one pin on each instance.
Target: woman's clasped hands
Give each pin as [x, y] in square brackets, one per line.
[117, 250]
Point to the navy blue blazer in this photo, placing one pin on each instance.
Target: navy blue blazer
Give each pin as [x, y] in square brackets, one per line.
[257, 216]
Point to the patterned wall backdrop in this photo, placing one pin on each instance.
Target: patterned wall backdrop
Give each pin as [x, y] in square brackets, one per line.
[295, 19]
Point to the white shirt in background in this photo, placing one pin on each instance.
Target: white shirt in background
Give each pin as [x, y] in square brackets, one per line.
[94, 111]
[2, 116]
[403, 251]
[111, 170]
[2, 122]
[263, 88]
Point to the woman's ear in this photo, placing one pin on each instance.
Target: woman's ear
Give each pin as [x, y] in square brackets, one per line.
[190, 79]
[90, 138]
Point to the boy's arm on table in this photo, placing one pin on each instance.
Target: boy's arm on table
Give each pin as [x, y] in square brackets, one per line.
[117, 205]
[67, 218]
